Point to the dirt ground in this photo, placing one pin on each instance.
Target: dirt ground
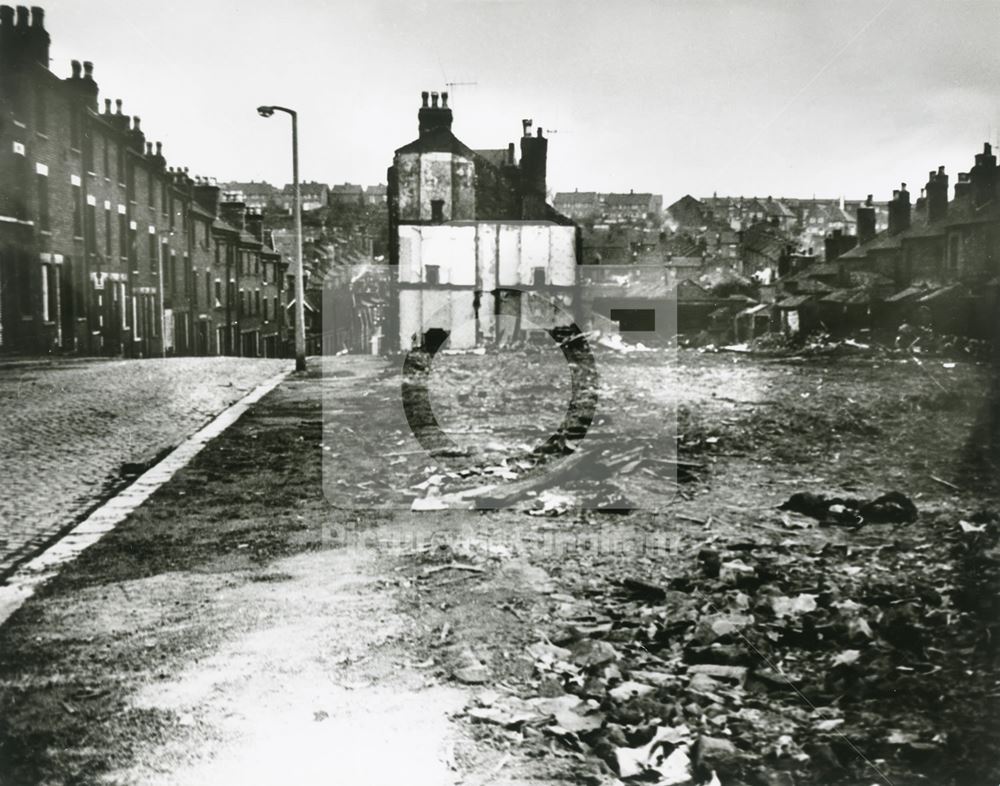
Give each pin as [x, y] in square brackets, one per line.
[277, 612]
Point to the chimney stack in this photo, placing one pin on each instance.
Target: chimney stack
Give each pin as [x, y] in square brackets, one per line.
[984, 176]
[206, 194]
[534, 156]
[233, 212]
[136, 137]
[899, 211]
[37, 39]
[937, 195]
[433, 118]
[866, 221]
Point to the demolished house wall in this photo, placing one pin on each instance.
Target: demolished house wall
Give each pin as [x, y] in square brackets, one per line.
[470, 265]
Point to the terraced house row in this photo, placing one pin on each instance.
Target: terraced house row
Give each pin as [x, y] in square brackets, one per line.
[104, 249]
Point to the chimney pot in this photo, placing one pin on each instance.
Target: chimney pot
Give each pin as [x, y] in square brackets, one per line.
[987, 148]
[136, 123]
[88, 69]
[423, 98]
[869, 200]
[539, 132]
[75, 67]
[22, 16]
[941, 170]
[149, 148]
[118, 106]
[444, 100]
[6, 15]
[107, 106]
[434, 100]
[159, 148]
[37, 17]
[526, 126]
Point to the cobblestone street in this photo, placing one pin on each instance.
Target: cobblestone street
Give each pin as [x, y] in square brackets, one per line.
[69, 428]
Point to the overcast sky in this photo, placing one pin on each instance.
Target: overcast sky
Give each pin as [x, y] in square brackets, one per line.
[690, 96]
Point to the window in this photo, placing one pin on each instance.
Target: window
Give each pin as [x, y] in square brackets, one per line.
[77, 211]
[74, 128]
[130, 182]
[88, 150]
[50, 294]
[256, 303]
[42, 182]
[634, 319]
[432, 274]
[91, 233]
[106, 162]
[41, 111]
[437, 210]
[120, 163]
[152, 251]
[132, 244]
[122, 236]
[218, 293]
[150, 193]
[107, 230]
[538, 276]
[208, 290]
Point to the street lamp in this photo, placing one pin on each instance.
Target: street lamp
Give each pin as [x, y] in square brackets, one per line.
[300, 312]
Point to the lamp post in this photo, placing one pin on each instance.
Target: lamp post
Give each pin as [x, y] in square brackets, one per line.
[300, 312]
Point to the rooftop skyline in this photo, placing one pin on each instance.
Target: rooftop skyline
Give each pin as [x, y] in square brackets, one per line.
[756, 99]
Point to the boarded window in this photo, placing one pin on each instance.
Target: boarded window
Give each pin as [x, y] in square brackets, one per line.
[642, 320]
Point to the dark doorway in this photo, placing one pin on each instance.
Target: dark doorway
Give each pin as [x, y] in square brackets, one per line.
[434, 339]
[635, 320]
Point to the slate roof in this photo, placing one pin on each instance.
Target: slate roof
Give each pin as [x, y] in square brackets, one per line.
[438, 140]
[905, 294]
[846, 296]
[795, 301]
[627, 200]
[954, 289]
[497, 158]
[576, 198]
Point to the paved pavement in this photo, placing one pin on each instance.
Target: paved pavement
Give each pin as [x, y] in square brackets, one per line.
[67, 429]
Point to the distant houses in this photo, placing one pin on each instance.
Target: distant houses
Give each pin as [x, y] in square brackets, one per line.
[611, 208]
[265, 196]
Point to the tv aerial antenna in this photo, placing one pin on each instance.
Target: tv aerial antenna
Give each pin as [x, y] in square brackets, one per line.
[452, 85]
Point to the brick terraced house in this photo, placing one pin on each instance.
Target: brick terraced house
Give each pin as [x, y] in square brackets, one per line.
[104, 249]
